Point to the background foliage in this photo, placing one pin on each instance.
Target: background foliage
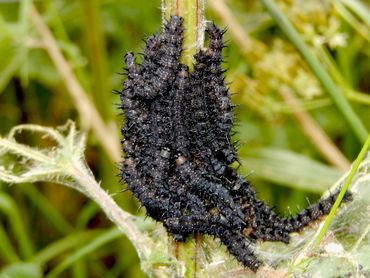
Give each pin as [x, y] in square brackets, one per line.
[284, 117]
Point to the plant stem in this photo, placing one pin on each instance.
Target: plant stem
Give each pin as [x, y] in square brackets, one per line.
[122, 219]
[358, 97]
[352, 173]
[350, 93]
[327, 83]
[192, 11]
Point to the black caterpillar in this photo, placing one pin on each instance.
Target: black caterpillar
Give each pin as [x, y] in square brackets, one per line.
[178, 150]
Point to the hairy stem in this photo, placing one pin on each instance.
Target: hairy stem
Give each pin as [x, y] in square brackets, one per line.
[192, 11]
[118, 216]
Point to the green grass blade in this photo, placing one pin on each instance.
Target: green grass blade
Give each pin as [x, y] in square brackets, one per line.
[95, 39]
[339, 100]
[352, 173]
[62, 245]
[46, 208]
[9, 208]
[359, 9]
[86, 214]
[356, 25]
[23, 49]
[7, 252]
[101, 240]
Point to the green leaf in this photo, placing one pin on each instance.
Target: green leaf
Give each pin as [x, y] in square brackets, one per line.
[21, 270]
[290, 169]
[9, 60]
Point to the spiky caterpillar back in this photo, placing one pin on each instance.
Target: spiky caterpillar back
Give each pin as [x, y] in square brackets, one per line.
[178, 150]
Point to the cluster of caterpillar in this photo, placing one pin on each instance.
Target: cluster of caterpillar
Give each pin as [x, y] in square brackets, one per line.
[176, 140]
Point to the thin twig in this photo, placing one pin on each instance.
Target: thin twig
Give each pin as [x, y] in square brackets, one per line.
[88, 113]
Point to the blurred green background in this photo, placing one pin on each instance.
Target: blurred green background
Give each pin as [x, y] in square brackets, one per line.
[294, 143]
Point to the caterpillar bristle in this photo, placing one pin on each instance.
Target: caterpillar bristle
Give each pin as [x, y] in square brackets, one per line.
[178, 148]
